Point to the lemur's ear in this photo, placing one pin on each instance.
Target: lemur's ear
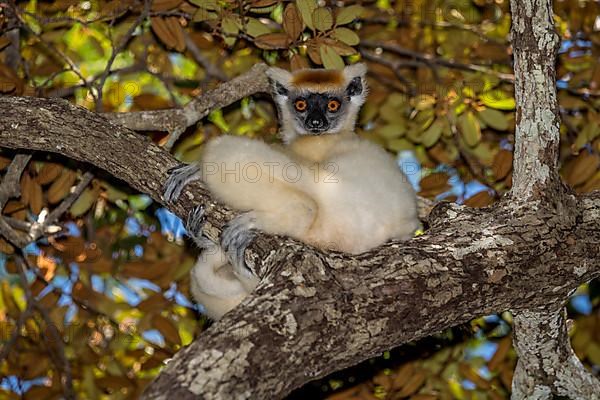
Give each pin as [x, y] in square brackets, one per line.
[280, 79]
[354, 75]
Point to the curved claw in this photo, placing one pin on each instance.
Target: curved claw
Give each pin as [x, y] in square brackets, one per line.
[195, 221]
[179, 177]
[235, 238]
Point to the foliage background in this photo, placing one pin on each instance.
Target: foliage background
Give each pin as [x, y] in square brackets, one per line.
[111, 289]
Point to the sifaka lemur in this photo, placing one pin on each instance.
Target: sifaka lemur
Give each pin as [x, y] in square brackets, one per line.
[324, 186]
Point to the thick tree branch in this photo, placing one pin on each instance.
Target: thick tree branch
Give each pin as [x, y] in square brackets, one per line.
[316, 312]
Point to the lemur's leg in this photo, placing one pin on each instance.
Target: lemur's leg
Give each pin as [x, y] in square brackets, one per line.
[235, 238]
[290, 213]
[179, 177]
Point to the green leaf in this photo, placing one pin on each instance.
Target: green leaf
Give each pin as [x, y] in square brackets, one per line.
[230, 26]
[84, 202]
[347, 36]
[331, 59]
[202, 14]
[469, 129]
[113, 194]
[256, 28]
[430, 136]
[391, 131]
[139, 201]
[400, 144]
[498, 99]
[322, 19]
[348, 14]
[494, 118]
[586, 135]
[206, 4]
[306, 8]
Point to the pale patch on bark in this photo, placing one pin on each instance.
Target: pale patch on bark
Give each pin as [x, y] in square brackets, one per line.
[547, 364]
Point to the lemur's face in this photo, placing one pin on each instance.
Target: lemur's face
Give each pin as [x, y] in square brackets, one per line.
[318, 102]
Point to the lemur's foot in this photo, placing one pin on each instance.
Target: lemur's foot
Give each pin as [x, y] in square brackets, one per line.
[194, 225]
[179, 177]
[235, 238]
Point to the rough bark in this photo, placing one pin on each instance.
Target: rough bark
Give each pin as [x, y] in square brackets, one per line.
[535, 43]
[317, 312]
[547, 365]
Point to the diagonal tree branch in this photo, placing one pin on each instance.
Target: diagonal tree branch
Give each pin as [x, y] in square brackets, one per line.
[176, 121]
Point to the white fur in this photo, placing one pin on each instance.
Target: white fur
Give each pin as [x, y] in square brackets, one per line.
[349, 196]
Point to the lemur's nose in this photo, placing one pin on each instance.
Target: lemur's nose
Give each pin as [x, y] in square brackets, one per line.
[316, 123]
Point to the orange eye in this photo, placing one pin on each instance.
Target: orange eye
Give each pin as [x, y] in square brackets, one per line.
[333, 105]
[300, 105]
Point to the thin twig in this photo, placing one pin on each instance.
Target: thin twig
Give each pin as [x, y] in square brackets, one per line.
[117, 50]
[38, 228]
[16, 333]
[395, 66]
[60, 358]
[55, 50]
[432, 61]
[208, 66]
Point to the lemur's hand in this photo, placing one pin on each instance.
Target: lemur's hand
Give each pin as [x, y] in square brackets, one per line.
[235, 238]
[179, 177]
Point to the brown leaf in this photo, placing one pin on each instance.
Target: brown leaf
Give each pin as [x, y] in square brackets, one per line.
[155, 303]
[263, 3]
[177, 31]
[169, 31]
[48, 173]
[36, 201]
[6, 247]
[504, 346]
[273, 41]
[167, 328]
[113, 383]
[414, 383]
[26, 190]
[144, 270]
[591, 184]
[4, 162]
[292, 22]
[467, 372]
[313, 52]
[13, 206]
[434, 184]
[402, 375]
[582, 168]
[165, 5]
[61, 187]
[481, 199]
[502, 164]
[298, 62]
[340, 48]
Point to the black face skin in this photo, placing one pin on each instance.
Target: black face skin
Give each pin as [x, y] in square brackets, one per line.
[317, 118]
